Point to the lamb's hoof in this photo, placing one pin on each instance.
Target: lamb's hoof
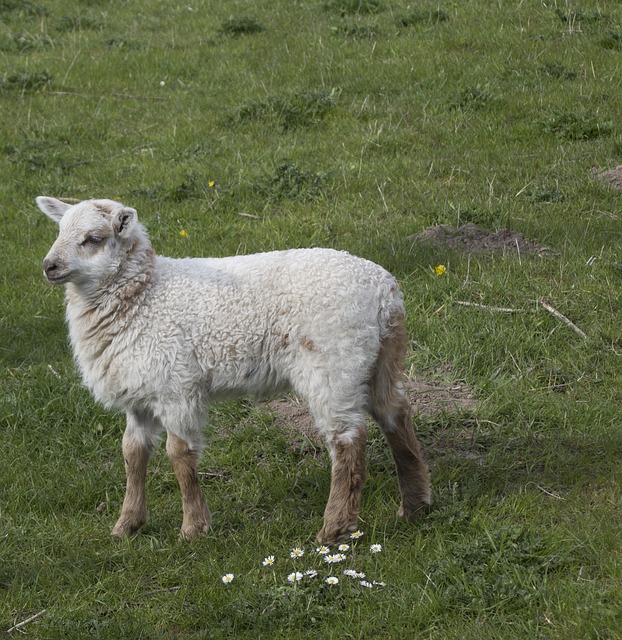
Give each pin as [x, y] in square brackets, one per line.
[415, 511]
[330, 534]
[194, 530]
[125, 527]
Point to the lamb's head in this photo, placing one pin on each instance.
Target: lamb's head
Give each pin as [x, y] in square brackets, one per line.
[93, 240]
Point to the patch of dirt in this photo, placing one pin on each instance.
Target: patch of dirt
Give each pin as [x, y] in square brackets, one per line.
[470, 238]
[612, 176]
[427, 398]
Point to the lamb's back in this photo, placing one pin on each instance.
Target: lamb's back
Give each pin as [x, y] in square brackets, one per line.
[243, 324]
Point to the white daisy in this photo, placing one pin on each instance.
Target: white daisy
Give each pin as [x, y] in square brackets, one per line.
[332, 580]
[227, 578]
[323, 550]
[297, 552]
[375, 548]
[294, 577]
[268, 562]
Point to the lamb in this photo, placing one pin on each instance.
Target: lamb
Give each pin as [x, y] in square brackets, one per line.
[162, 338]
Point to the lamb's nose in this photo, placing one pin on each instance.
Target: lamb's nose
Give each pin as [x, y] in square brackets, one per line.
[49, 267]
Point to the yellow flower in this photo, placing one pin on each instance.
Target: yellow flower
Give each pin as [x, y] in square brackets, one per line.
[183, 233]
[440, 270]
[212, 183]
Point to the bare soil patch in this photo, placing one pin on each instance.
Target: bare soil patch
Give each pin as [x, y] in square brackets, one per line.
[470, 238]
[612, 176]
[427, 398]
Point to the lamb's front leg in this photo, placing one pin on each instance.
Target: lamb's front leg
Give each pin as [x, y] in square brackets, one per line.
[197, 517]
[348, 477]
[138, 442]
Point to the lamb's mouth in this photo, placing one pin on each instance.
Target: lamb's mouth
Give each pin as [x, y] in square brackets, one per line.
[58, 279]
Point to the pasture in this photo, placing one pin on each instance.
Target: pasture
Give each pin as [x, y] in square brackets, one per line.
[238, 127]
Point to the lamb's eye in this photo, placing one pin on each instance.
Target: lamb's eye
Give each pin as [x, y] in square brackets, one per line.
[92, 240]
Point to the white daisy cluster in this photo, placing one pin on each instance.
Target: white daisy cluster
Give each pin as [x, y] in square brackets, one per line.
[344, 552]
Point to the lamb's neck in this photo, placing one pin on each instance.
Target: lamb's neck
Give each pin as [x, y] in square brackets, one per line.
[97, 312]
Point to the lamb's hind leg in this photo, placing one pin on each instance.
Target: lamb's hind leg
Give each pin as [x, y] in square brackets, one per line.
[391, 410]
[141, 434]
[412, 471]
[347, 449]
[197, 517]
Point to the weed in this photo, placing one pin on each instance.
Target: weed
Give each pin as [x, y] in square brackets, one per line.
[612, 41]
[576, 126]
[559, 71]
[119, 43]
[354, 7]
[191, 186]
[358, 31]
[23, 41]
[544, 195]
[475, 96]
[576, 17]
[290, 182]
[295, 110]
[25, 81]
[240, 26]
[24, 7]
[502, 569]
[78, 23]
[420, 17]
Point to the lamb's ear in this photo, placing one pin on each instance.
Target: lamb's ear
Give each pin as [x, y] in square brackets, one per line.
[53, 208]
[124, 220]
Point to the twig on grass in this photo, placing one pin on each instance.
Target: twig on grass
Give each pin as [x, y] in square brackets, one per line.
[163, 589]
[249, 215]
[560, 316]
[485, 307]
[212, 474]
[127, 96]
[23, 623]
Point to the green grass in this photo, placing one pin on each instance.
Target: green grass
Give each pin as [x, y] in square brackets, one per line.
[327, 123]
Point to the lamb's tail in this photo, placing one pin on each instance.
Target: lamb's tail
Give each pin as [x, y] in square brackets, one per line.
[388, 391]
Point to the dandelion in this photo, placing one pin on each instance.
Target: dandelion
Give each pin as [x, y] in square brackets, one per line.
[227, 578]
[268, 562]
[364, 583]
[440, 269]
[311, 573]
[355, 535]
[323, 550]
[212, 184]
[332, 580]
[344, 547]
[294, 577]
[375, 548]
[296, 553]
[183, 233]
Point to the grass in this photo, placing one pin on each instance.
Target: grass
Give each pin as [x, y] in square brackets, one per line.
[353, 125]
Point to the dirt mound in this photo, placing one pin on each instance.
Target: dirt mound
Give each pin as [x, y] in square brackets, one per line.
[612, 176]
[427, 397]
[469, 238]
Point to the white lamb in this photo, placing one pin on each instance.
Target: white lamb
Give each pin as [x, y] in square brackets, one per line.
[161, 338]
